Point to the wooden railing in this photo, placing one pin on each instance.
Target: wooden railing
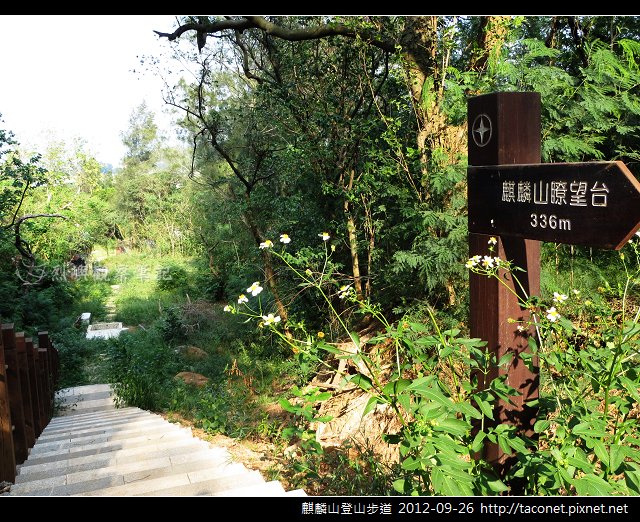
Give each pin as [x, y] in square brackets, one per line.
[28, 381]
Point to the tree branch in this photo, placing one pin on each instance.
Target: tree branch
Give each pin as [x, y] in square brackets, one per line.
[292, 35]
[210, 27]
[245, 58]
[21, 244]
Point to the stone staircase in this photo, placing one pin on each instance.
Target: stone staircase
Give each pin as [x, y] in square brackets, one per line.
[95, 449]
[111, 303]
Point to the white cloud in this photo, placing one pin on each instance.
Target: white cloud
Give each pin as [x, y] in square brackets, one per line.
[73, 76]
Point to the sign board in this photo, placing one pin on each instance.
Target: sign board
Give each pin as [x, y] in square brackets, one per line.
[593, 204]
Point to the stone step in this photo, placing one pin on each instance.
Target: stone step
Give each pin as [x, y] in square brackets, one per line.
[91, 418]
[97, 423]
[83, 390]
[152, 430]
[83, 406]
[218, 484]
[93, 448]
[96, 470]
[115, 412]
[72, 399]
[144, 424]
[93, 409]
[111, 458]
[103, 478]
[296, 493]
[268, 489]
[67, 451]
[96, 419]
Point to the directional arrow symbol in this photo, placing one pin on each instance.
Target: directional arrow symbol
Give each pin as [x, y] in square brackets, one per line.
[593, 204]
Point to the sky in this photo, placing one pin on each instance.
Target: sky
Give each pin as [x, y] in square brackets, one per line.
[72, 76]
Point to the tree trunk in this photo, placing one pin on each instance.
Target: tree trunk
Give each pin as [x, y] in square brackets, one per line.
[269, 273]
[426, 76]
[353, 247]
[420, 42]
[353, 238]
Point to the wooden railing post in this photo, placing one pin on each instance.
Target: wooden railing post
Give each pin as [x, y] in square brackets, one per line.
[7, 452]
[35, 392]
[55, 370]
[42, 401]
[25, 383]
[44, 361]
[45, 349]
[21, 447]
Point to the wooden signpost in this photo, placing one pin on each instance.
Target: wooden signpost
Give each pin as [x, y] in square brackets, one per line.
[520, 201]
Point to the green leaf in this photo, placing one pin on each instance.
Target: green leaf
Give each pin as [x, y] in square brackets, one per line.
[362, 381]
[541, 425]
[497, 486]
[395, 387]
[328, 348]
[618, 454]
[428, 341]
[500, 387]
[631, 329]
[592, 485]
[632, 478]
[467, 409]
[455, 427]
[355, 338]
[474, 342]
[319, 397]
[287, 406]
[590, 430]
[601, 451]
[371, 405]
[437, 396]
[288, 433]
[399, 486]
[631, 387]
[411, 463]
[405, 401]
[503, 442]
[449, 483]
[421, 383]
[564, 476]
[430, 410]
[478, 441]
[566, 324]
[506, 359]
[453, 462]
[419, 327]
[580, 461]
[485, 407]
[518, 445]
[447, 351]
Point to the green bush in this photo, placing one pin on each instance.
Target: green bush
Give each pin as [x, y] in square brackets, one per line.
[82, 361]
[173, 277]
[141, 368]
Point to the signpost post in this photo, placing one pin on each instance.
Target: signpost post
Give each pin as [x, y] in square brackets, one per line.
[520, 201]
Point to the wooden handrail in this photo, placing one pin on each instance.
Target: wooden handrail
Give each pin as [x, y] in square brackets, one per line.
[28, 380]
